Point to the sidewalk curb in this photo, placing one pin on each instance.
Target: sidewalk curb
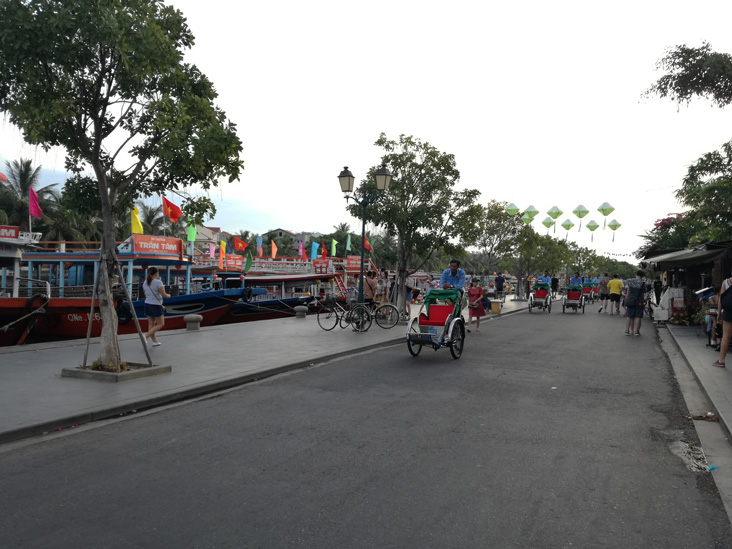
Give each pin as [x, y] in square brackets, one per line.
[72, 421]
[704, 390]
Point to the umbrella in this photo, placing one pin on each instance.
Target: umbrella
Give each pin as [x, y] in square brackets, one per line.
[614, 226]
[512, 209]
[554, 213]
[592, 225]
[580, 211]
[605, 209]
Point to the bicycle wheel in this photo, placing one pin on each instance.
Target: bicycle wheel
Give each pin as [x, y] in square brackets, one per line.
[386, 316]
[327, 319]
[414, 348]
[345, 319]
[457, 340]
[649, 309]
[360, 318]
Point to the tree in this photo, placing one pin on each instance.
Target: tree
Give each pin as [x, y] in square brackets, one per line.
[62, 222]
[707, 187]
[498, 233]
[421, 207]
[106, 80]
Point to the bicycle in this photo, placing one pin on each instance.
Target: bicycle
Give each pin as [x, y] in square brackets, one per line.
[386, 315]
[648, 304]
[332, 314]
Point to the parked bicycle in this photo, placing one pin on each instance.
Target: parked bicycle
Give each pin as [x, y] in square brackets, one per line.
[331, 314]
[648, 305]
[386, 315]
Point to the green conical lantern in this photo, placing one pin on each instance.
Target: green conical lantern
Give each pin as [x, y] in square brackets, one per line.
[554, 213]
[605, 209]
[614, 226]
[512, 209]
[548, 222]
[531, 211]
[592, 225]
[567, 224]
[526, 218]
[580, 211]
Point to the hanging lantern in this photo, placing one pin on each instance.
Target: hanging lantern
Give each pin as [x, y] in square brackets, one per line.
[531, 211]
[605, 209]
[580, 211]
[548, 222]
[614, 226]
[512, 209]
[592, 226]
[526, 218]
[554, 213]
[567, 224]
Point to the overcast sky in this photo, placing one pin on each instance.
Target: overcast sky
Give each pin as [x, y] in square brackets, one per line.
[540, 102]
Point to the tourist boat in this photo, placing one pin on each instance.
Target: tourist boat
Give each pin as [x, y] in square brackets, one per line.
[54, 300]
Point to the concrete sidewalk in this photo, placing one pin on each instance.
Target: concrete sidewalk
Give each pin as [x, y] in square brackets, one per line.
[35, 399]
[715, 382]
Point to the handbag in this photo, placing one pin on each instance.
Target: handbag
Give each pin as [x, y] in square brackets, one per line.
[473, 306]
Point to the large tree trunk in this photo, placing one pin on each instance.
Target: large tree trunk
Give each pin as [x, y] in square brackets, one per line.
[109, 347]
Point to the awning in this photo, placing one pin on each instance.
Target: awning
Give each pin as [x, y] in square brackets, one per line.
[685, 258]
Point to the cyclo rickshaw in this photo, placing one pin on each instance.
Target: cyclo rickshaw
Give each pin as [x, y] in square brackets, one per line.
[588, 292]
[574, 299]
[541, 297]
[439, 324]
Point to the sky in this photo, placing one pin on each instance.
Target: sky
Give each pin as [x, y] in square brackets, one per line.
[542, 103]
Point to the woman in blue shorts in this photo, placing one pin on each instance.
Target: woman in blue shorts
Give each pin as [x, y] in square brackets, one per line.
[154, 295]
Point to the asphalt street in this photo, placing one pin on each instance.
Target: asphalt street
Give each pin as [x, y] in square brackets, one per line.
[553, 430]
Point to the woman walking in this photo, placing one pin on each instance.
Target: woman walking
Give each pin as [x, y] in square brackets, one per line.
[154, 295]
[725, 316]
[475, 304]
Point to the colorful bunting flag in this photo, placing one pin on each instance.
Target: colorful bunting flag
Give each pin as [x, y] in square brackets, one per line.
[192, 231]
[249, 261]
[222, 254]
[135, 221]
[259, 246]
[314, 250]
[211, 250]
[333, 247]
[348, 243]
[33, 208]
[171, 210]
[274, 249]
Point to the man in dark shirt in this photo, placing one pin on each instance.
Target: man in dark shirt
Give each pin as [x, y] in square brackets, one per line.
[499, 282]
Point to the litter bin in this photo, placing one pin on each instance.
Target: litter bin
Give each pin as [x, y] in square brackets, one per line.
[495, 307]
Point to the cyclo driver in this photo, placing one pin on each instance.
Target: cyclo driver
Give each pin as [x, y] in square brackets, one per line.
[454, 278]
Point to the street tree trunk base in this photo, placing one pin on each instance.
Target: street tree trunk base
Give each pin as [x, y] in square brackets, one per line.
[135, 370]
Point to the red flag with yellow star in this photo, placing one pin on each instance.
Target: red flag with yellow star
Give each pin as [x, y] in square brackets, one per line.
[171, 210]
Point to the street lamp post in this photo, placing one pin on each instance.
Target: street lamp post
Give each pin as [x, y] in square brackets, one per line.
[346, 179]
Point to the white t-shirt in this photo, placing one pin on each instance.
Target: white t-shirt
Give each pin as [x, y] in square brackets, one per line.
[152, 292]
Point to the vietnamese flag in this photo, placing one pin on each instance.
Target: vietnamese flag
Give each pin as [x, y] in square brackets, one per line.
[325, 254]
[240, 244]
[171, 210]
[367, 244]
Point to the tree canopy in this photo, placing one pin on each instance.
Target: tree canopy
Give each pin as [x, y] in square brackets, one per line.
[106, 80]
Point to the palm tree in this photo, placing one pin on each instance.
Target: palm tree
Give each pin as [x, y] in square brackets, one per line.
[21, 178]
[152, 218]
[342, 228]
[63, 223]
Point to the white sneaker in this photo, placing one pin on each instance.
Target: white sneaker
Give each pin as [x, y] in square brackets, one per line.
[156, 344]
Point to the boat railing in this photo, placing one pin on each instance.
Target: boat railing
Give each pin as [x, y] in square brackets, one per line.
[33, 286]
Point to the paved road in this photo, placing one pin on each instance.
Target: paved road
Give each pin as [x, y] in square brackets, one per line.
[552, 431]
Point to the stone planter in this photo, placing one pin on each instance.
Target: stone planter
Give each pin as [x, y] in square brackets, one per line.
[135, 370]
